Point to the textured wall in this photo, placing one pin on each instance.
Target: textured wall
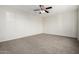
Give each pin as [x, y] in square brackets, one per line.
[64, 24]
[18, 24]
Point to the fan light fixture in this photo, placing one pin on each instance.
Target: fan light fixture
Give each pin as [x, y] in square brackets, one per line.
[43, 9]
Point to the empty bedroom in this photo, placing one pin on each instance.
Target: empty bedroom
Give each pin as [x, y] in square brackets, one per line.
[39, 29]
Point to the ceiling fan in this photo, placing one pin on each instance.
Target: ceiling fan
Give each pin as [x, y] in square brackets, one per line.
[43, 9]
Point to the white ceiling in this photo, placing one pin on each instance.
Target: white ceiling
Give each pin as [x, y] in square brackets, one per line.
[55, 9]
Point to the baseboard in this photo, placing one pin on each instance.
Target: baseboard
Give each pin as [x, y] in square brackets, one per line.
[35, 35]
[19, 37]
[61, 35]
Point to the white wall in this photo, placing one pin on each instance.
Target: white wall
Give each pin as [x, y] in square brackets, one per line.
[78, 24]
[2, 25]
[64, 24]
[18, 24]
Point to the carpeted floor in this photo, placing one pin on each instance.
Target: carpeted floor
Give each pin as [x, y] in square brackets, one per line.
[41, 44]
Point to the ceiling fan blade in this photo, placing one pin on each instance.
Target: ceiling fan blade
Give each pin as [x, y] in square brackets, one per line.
[41, 5]
[46, 11]
[49, 8]
[37, 10]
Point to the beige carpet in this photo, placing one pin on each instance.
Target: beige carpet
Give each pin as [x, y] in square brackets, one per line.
[41, 44]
